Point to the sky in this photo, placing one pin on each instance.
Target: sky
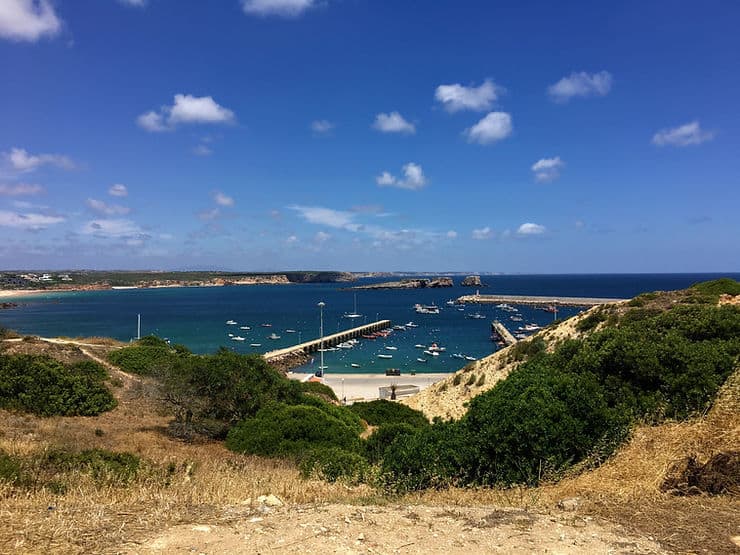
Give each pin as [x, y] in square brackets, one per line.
[368, 135]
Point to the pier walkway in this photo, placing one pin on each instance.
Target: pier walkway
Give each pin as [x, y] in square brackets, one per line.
[532, 300]
[328, 341]
[505, 335]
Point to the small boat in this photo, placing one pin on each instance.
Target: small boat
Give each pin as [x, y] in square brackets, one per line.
[437, 349]
[457, 355]
[266, 325]
[354, 313]
[290, 331]
[451, 302]
[398, 327]
[431, 353]
[354, 365]
[468, 357]
[421, 360]
[411, 325]
[230, 334]
[244, 328]
[273, 335]
[461, 309]
[516, 318]
[231, 322]
[476, 316]
[255, 344]
[420, 346]
[390, 348]
[368, 336]
[385, 356]
[238, 338]
[530, 327]
[346, 345]
[426, 309]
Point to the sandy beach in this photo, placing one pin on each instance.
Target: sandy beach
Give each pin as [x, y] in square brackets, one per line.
[364, 387]
[11, 293]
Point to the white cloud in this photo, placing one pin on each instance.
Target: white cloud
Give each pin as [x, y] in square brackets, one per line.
[291, 240]
[106, 209]
[457, 97]
[684, 135]
[222, 199]
[136, 3]
[208, 215]
[202, 150]
[20, 189]
[493, 127]
[28, 221]
[581, 84]
[393, 123]
[531, 229]
[547, 169]
[20, 160]
[186, 109]
[452, 234]
[326, 216]
[482, 233]
[321, 237]
[322, 126]
[283, 8]
[413, 179]
[28, 20]
[118, 190]
[112, 228]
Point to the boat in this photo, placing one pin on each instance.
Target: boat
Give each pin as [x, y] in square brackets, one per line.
[368, 336]
[244, 328]
[238, 338]
[411, 325]
[476, 316]
[385, 356]
[431, 353]
[420, 346]
[346, 345]
[457, 355]
[426, 309]
[354, 313]
[231, 322]
[354, 365]
[451, 302]
[530, 327]
[516, 318]
[230, 334]
[421, 360]
[468, 357]
[255, 344]
[436, 348]
[399, 327]
[273, 335]
[266, 325]
[550, 308]
[390, 348]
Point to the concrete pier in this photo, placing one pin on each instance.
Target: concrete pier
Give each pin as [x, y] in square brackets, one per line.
[500, 329]
[535, 300]
[332, 340]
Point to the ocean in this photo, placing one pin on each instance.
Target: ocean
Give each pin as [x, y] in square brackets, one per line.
[196, 316]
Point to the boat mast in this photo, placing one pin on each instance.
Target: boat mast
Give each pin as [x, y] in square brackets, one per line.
[138, 326]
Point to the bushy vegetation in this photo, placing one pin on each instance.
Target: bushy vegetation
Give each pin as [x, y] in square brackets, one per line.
[717, 287]
[381, 412]
[578, 402]
[46, 387]
[381, 439]
[101, 464]
[319, 389]
[333, 464]
[525, 350]
[149, 356]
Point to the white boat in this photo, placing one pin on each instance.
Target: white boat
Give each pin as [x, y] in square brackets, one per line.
[354, 365]
[244, 328]
[530, 327]
[468, 357]
[255, 344]
[354, 313]
[431, 353]
[273, 336]
[436, 348]
[290, 331]
[450, 303]
[411, 325]
[457, 355]
[421, 360]
[266, 325]
[230, 334]
[398, 327]
[238, 338]
[385, 356]
[391, 348]
[426, 309]
[420, 346]
[231, 322]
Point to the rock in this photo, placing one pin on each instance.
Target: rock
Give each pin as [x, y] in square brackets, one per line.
[270, 500]
[471, 281]
[570, 504]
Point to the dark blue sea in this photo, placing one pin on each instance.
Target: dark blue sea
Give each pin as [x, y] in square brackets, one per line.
[196, 317]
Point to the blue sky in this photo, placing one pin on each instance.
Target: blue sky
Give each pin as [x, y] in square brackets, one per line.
[257, 135]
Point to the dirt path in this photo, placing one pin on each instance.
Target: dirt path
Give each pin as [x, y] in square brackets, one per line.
[400, 529]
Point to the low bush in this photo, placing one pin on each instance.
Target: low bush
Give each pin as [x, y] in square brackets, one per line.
[717, 287]
[381, 439]
[334, 464]
[149, 356]
[527, 349]
[323, 391]
[381, 411]
[46, 387]
[103, 465]
[10, 468]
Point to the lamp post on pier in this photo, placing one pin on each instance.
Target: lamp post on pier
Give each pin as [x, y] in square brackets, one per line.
[321, 306]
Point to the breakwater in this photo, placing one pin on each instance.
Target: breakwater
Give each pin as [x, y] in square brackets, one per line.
[535, 300]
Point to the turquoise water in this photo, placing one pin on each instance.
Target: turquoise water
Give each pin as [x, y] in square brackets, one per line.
[196, 317]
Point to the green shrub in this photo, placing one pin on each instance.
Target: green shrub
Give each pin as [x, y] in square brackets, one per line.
[10, 468]
[481, 380]
[46, 387]
[280, 430]
[591, 321]
[149, 356]
[103, 465]
[457, 379]
[717, 287]
[381, 439]
[381, 411]
[333, 464]
[321, 390]
[528, 349]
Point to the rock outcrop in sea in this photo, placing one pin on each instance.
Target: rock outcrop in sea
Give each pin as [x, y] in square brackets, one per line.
[471, 281]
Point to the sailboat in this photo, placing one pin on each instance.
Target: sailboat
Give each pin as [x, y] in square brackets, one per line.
[354, 313]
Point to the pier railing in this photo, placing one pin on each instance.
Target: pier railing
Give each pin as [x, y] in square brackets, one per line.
[327, 341]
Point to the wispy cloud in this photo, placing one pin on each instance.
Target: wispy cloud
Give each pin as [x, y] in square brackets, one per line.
[581, 84]
[329, 217]
[106, 209]
[222, 199]
[531, 229]
[135, 3]
[20, 189]
[451, 234]
[282, 8]
[118, 190]
[186, 109]
[28, 221]
[684, 135]
[482, 233]
[202, 150]
[28, 20]
[114, 228]
[547, 169]
[322, 126]
[494, 127]
[457, 97]
[393, 123]
[413, 178]
[22, 161]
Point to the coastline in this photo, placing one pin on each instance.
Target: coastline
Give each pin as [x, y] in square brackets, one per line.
[12, 293]
[364, 387]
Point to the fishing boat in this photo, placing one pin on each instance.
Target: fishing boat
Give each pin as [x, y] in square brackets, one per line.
[431, 353]
[421, 360]
[411, 325]
[354, 365]
[420, 346]
[273, 335]
[231, 322]
[457, 355]
[290, 331]
[238, 338]
[354, 313]
[390, 348]
[255, 344]
[385, 356]
[468, 357]
[244, 328]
